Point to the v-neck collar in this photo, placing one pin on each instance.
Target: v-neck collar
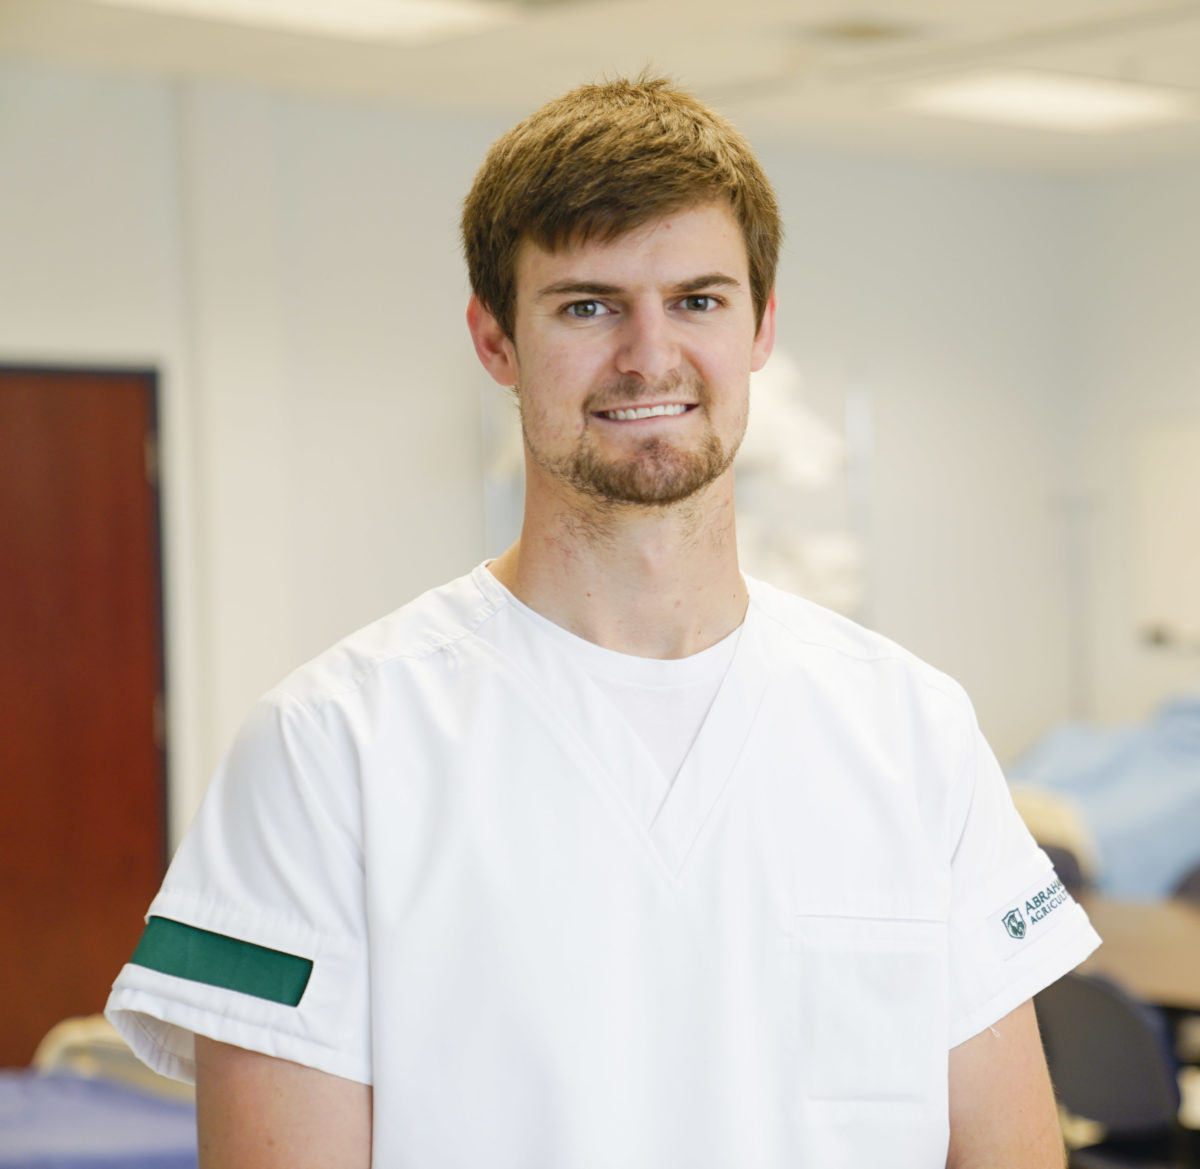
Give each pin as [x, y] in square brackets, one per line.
[608, 746]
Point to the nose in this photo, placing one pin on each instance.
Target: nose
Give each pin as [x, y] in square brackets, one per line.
[648, 348]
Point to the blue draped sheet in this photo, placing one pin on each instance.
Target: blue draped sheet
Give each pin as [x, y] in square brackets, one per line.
[1137, 790]
[61, 1121]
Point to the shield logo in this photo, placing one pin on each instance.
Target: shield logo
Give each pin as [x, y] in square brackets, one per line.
[1014, 923]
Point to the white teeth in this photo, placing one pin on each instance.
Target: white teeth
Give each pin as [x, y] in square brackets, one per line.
[644, 412]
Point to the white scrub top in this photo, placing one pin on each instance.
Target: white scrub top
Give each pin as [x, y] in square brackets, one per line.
[419, 868]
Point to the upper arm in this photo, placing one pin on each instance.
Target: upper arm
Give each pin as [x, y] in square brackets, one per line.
[257, 1112]
[1002, 1110]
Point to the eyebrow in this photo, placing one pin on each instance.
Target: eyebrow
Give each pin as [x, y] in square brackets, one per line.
[595, 288]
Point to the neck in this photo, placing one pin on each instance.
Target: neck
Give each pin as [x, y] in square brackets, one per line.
[653, 582]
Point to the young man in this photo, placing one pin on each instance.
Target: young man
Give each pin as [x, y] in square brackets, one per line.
[604, 856]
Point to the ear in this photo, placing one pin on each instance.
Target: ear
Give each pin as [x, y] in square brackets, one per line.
[764, 340]
[495, 350]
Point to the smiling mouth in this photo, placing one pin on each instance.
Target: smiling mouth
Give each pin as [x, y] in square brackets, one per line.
[636, 412]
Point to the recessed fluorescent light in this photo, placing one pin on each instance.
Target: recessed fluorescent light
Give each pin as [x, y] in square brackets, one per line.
[1050, 101]
[408, 21]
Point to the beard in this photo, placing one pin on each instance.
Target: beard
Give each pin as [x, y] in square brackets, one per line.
[656, 473]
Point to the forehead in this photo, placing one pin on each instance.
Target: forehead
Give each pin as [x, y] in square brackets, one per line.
[667, 250]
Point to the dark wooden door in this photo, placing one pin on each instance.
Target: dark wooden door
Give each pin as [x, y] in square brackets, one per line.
[82, 796]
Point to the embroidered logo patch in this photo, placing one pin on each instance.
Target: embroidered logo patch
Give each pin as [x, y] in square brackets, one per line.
[1022, 922]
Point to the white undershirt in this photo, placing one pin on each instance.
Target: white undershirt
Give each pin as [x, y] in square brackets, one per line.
[664, 701]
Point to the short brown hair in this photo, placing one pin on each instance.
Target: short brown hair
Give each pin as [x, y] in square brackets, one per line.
[600, 161]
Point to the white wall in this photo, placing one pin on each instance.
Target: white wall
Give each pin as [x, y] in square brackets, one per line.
[1140, 366]
[91, 274]
[292, 269]
[337, 421]
[290, 264]
[941, 295]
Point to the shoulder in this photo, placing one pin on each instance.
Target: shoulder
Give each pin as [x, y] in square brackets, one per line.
[422, 633]
[841, 651]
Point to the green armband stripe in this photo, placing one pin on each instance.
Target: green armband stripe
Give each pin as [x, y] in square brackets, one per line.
[171, 947]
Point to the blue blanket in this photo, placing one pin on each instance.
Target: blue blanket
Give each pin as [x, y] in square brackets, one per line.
[1138, 791]
[61, 1121]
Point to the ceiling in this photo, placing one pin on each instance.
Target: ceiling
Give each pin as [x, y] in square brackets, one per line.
[811, 71]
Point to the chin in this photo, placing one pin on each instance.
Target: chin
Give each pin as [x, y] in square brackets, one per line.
[659, 476]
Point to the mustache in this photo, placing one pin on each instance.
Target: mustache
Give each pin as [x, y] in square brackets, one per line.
[629, 391]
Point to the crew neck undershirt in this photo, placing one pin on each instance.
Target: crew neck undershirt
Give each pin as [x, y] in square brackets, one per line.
[664, 701]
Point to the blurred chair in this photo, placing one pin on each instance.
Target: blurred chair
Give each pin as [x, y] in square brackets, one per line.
[1066, 865]
[1111, 1063]
[1187, 1030]
[1188, 887]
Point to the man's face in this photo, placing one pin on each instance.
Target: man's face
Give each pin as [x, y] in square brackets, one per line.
[632, 358]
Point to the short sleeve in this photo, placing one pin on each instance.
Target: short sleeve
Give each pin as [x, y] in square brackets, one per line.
[1014, 928]
[257, 937]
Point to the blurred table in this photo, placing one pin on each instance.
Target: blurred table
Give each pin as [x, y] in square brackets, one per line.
[1152, 948]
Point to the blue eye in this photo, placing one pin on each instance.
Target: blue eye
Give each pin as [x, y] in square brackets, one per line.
[585, 310]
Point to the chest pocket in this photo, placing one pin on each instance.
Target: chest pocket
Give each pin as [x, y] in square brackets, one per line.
[871, 1008]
